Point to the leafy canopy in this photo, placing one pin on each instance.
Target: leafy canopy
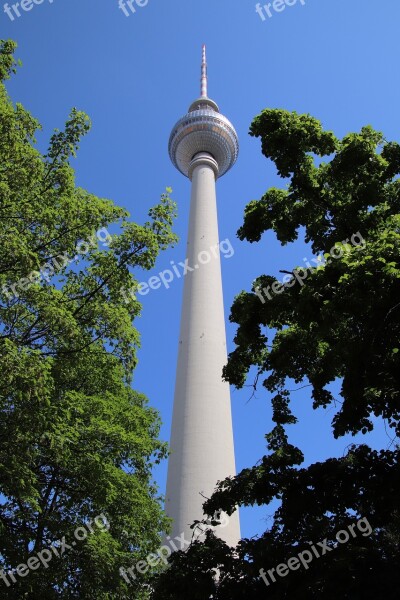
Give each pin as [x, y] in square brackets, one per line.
[76, 440]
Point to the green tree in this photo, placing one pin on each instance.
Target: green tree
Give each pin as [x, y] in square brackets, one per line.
[76, 441]
[338, 321]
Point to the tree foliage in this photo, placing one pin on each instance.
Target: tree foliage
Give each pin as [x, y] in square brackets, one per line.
[340, 324]
[76, 440]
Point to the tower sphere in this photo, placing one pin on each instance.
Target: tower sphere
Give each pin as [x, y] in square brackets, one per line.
[203, 129]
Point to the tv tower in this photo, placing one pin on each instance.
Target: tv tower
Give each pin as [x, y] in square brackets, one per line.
[203, 146]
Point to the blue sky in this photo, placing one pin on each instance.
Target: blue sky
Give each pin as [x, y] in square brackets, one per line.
[135, 76]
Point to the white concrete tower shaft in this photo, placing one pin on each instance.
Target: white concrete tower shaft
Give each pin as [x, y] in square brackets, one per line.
[203, 145]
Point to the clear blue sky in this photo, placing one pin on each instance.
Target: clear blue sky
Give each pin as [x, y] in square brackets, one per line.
[135, 76]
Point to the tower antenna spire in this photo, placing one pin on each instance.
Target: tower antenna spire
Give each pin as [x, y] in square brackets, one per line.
[204, 81]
